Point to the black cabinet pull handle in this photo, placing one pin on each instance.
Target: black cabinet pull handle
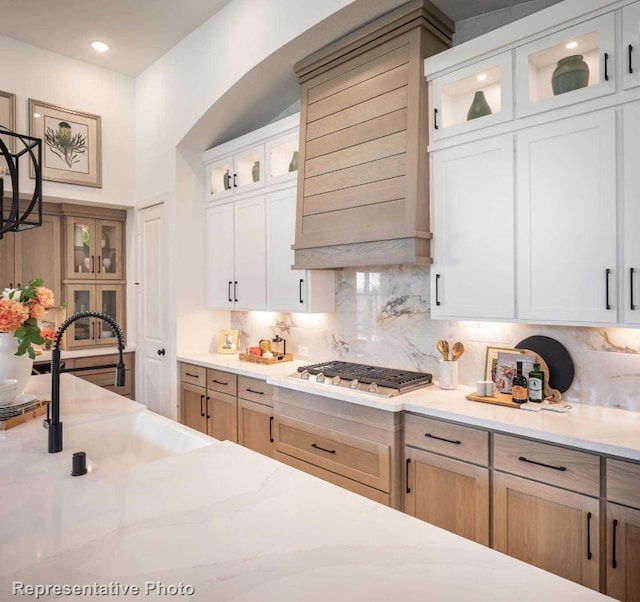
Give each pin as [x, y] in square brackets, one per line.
[589, 536]
[235, 291]
[408, 489]
[219, 382]
[208, 398]
[271, 429]
[632, 305]
[455, 442]
[191, 375]
[435, 119]
[202, 405]
[234, 181]
[329, 451]
[93, 264]
[256, 392]
[561, 468]
[229, 291]
[300, 290]
[607, 304]
[606, 66]
[437, 289]
[614, 562]
[630, 49]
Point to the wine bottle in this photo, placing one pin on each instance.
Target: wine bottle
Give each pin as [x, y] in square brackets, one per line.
[536, 384]
[519, 392]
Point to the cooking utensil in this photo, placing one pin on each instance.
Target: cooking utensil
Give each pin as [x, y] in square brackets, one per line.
[443, 348]
[457, 350]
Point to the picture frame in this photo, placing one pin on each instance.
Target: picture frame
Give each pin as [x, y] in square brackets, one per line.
[228, 341]
[500, 366]
[51, 320]
[8, 119]
[71, 144]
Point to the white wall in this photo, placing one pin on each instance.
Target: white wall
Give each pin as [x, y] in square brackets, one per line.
[30, 72]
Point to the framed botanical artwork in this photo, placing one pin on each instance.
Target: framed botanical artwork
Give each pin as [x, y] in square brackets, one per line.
[228, 341]
[500, 366]
[7, 119]
[71, 144]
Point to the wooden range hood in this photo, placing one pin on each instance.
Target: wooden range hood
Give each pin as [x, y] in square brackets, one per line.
[363, 185]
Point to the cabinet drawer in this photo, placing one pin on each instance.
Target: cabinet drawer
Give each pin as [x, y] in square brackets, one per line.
[224, 382]
[623, 482]
[358, 459]
[254, 389]
[107, 380]
[102, 360]
[460, 442]
[566, 468]
[194, 375]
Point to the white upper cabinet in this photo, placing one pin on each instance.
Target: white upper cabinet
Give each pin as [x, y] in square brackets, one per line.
[474, 253]
[631, 45]
[249, 163]
[631, 214]
[567, 67]
[219, 256]
[473, 97]
[566, 220]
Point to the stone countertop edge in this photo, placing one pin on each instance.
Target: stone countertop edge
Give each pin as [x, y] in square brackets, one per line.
[45, 356]
[596, 429]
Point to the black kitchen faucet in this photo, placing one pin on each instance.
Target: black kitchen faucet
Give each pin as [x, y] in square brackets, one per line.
[52, 421]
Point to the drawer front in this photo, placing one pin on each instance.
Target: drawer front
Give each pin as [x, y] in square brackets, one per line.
[103, 360]
[358, 459]
[107, 380]
[566, 468]
[224, 382]
[254, 389]
[623, 482]
[194, 375]
[460, 442]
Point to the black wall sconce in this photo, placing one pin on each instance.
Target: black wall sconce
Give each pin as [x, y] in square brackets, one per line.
[15, 216]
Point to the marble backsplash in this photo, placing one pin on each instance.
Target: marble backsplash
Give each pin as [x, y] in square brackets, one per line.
[383, 318]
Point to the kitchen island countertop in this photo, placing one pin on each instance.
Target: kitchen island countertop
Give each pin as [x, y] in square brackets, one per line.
[229, 523]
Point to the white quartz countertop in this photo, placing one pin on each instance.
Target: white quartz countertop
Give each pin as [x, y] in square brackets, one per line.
[598, 429]
[229, 523]
[45, 356]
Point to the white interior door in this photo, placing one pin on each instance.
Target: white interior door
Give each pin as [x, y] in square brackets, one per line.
[153, 373]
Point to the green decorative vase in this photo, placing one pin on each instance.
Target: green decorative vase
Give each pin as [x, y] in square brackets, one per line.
[226, 180]
[255, 171]
[293, 166]
[571, 73]
[479, 107]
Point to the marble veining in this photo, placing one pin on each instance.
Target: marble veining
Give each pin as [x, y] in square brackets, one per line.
[383, 317]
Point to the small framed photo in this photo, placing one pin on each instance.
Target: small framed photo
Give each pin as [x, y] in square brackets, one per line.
[228, 341]
[72, 144]
[500, 366]
[8, 120]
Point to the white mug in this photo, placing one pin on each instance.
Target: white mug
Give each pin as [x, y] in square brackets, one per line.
[448, 375]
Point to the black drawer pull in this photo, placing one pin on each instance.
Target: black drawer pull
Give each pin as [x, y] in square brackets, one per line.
[202, 405]
[589, 555]
[300, 291]
[435, 119]
[523, 459]
[219, 382]
[632, 305]
[208, 398]
[456, 442]
[606, 282]
[191, 375]
[271, 429]
[606, 66]
[614, 562]
[329, 451]
[630, 57]
[408, 489]
[437, 291]
[256, 392]
[229, 291]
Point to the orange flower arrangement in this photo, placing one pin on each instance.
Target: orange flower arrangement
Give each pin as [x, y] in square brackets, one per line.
[20, 310]
[49, 336]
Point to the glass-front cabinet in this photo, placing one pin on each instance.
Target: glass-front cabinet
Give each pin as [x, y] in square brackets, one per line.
[473, 97]
[282, 158]
[567, 67]
[631, 45]
[236, 173]
[94, 249]
[103, 298]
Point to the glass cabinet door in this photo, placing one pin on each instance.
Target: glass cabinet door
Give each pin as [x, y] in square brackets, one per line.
[567, 67]
[81, 255]
[81, 332]
[249, 169]
[109, 264]
[631, 45]
[282, 158]
[219, 179]
[109, 301]
[473, 97]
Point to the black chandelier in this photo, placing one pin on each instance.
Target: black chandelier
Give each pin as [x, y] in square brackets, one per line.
[15, 216]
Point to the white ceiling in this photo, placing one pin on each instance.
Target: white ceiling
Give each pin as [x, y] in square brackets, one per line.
[140, 31]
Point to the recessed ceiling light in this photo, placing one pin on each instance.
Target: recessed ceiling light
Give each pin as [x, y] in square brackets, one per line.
[482, 77]
[100, 46]
[571, 45]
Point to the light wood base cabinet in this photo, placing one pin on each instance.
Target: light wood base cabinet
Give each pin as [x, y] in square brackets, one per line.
[623, 553]
[548, 527]
[448, 493]
[192, 403]
[255, 427]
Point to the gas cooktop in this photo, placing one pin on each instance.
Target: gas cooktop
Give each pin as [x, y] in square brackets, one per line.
[387, 382]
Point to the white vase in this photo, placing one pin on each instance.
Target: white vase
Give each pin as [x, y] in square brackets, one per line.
[12, 365]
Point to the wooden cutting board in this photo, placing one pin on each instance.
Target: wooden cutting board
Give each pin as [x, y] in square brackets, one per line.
[499, 399]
